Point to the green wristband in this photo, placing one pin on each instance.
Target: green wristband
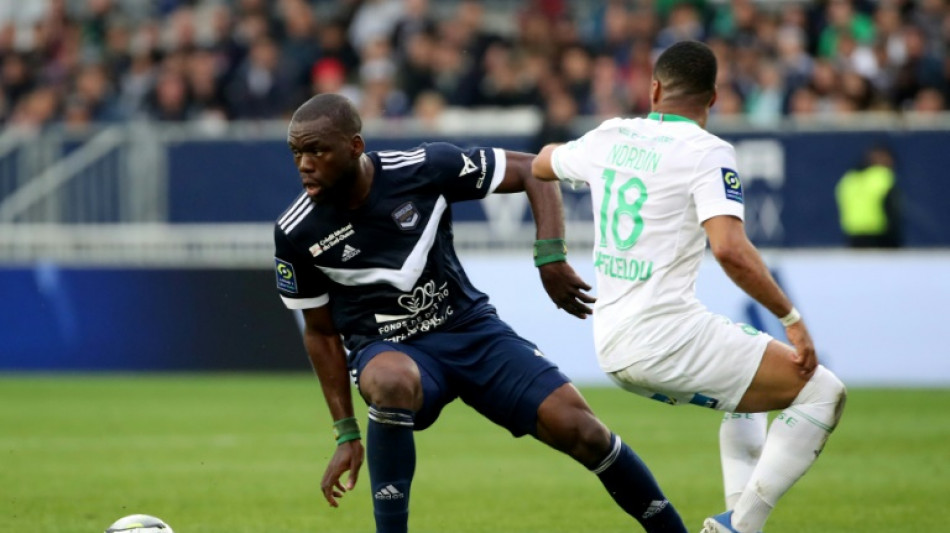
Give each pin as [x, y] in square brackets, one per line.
[549, 251]
[345, 430]
[347, 437]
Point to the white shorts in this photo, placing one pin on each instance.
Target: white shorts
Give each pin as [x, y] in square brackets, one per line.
[713, 369]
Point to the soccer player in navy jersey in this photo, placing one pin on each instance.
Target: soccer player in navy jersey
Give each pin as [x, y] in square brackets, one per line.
[366, 252]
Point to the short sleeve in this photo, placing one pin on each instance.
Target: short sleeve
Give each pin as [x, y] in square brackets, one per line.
[570, 160]
[716, 186]
[300, 284]
[465, 174]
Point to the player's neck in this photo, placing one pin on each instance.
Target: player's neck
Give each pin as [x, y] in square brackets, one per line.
[697, 116]
[363, 182]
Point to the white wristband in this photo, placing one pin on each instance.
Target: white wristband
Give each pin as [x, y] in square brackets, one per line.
[791, 318]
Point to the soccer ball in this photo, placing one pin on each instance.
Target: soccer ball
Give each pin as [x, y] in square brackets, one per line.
[139, 523]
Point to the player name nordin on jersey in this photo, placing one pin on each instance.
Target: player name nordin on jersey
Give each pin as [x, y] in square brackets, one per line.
[625, 155]
[623, 268]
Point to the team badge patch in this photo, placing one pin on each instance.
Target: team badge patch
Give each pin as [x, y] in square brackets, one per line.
[286, 279]
[407, 216]
[730, 178]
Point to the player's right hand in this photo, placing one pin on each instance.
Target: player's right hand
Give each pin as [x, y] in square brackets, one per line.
[805, 355]
[566, 289]
[347, 457]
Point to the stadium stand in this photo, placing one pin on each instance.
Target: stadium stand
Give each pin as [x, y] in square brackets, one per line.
[74, 62]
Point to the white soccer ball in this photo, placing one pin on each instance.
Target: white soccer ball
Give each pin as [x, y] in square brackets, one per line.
[139, 523]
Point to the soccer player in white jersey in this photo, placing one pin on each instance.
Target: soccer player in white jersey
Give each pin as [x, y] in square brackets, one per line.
[661, 186]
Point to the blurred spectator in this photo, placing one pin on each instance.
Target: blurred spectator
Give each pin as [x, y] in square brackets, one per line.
[415, 21]
[381, 96]
[93, 91]
[728, 104]
[374, 19]
[794, 61]
[556, 126]
[169, 100]
[415, 74]
[869, 204]
[334, 44]
[36, 110]
[428, 108]
[505, 83]
[920, 70]
[684, 25]
[300, 45]
[854, 56]
[928, 101]
[803, 103]
[843, 19]
[858, 90]
[766, 99]
[263, 86]
[329, 76]
[576, 69]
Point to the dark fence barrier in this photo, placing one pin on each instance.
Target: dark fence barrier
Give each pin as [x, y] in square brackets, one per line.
[54, 318]
[789, 180]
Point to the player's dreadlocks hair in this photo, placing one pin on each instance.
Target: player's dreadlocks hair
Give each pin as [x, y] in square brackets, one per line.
[687, 70]
[337, 108]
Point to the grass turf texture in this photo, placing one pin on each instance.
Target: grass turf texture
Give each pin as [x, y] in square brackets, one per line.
[245, 453]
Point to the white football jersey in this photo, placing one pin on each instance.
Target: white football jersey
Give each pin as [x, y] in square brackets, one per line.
[653, 181]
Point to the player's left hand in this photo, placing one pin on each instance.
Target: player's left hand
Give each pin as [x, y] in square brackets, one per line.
[347, 457]
[566, 289]
[805, 356]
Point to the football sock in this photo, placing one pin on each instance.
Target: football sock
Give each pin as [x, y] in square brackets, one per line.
[795, 439]
[391, 455]
[632, 486]
[741, 438]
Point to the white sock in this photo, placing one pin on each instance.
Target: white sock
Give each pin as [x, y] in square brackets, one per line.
[741, 438]
[794, 441]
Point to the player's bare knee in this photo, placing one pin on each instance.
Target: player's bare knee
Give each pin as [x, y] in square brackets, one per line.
[398, 387]
[591, 439]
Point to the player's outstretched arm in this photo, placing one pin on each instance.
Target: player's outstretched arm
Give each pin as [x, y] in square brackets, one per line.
[325, 349]
[565, 288]
[745, 267]
[541, 166]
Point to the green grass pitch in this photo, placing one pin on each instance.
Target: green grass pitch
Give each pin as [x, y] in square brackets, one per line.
[245, 453]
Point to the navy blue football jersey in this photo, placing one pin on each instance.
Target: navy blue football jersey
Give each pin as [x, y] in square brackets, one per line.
[388, 269]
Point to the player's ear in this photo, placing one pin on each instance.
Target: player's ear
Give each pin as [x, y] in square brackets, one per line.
[357, 146]
[656, 91]
[712, 100]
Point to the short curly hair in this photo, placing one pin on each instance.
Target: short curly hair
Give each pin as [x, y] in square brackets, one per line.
[341, 112]
[687, 70]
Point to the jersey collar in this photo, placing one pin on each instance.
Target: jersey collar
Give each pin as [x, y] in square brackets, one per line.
[666, 117]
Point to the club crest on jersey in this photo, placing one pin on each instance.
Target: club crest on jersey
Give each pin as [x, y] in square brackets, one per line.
[407, 216]
[730, 179]
[286, 279]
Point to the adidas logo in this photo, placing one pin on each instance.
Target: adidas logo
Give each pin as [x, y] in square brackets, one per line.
[655, 507]
[388, 492]
[349, 252]
[469, 166]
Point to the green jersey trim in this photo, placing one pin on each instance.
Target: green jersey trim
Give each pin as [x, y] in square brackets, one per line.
[670, 118]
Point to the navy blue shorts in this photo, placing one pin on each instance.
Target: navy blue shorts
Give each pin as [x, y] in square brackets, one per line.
[485, 363]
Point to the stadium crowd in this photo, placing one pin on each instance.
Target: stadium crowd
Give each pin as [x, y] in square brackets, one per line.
[82, 61]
